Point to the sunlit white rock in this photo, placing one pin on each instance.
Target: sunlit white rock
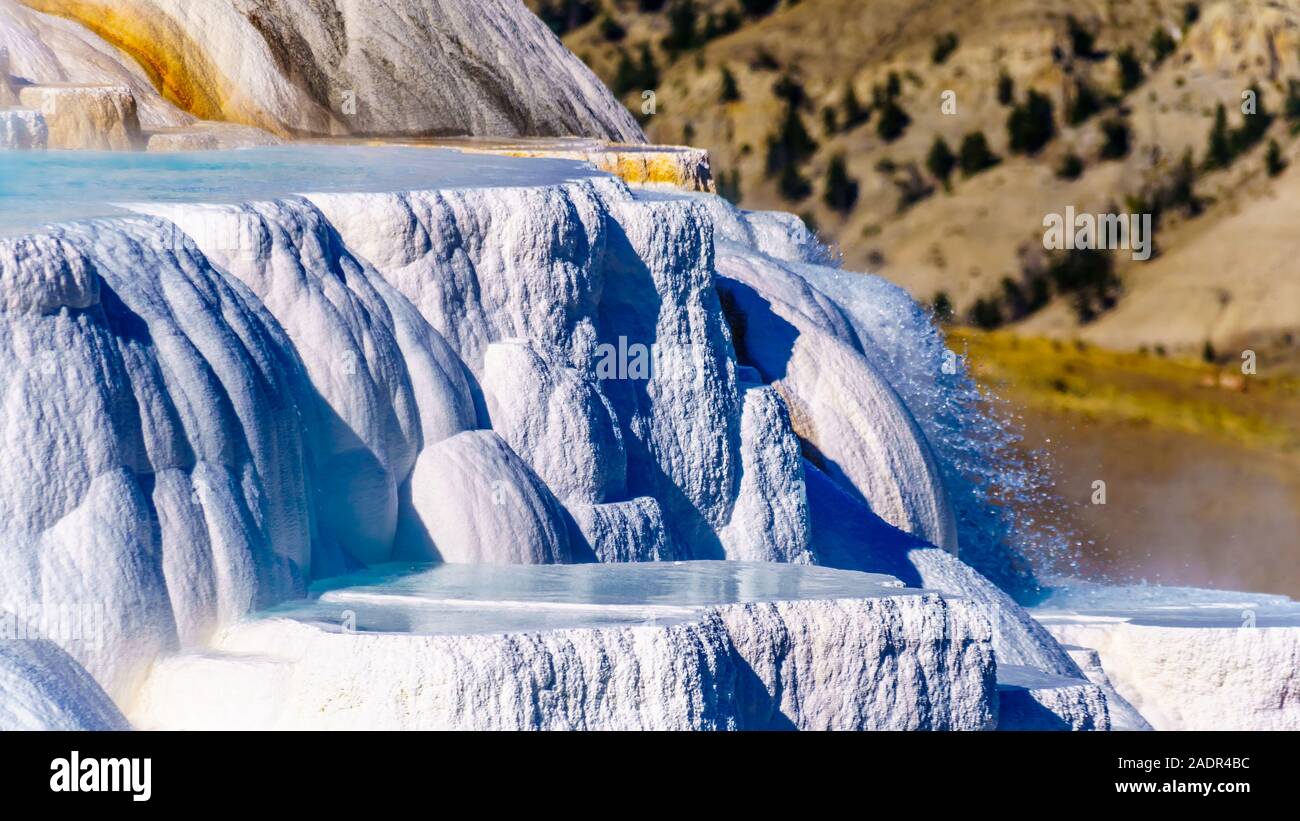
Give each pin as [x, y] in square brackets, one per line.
[43, 688]
[694, 645]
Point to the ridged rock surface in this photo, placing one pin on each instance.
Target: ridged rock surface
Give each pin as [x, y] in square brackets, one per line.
[1227, 666]
[391, 67]
[43, 688]
[94, 118]
[888, 659]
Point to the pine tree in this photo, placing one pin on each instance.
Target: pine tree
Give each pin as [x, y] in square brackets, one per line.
[893, 120]
[1218, 153]
[793, 185]
[1084, 105]
[941, 161]
[791, 145]
[944, 45]
[854, 113]
[1030, 125]
[1117, 139]
[730, 91]
[942, 307]
[841, 192]
[1130, 70]
[975, 155]
[1274, 163]
[1071, 167]
[681, 35]
[1006, 89]
[1162, 45]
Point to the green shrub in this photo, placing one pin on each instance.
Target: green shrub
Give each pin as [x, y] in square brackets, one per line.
[1081, 39]
[854, 112]
[1083, 105]
[1130, 70]
[942, 307]
[611, 30]
[1162, 45]
[986, 313]
[1218, 150]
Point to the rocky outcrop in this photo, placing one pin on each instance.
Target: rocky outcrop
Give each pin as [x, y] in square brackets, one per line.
[1243, 36]
[387, 67]
[98, 118]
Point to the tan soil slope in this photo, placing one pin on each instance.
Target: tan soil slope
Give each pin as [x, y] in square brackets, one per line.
[966, 241]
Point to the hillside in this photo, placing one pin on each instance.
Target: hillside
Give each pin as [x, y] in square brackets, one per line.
[786, 96]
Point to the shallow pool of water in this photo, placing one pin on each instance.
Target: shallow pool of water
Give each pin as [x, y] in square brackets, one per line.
[467, 599]
[41, 187]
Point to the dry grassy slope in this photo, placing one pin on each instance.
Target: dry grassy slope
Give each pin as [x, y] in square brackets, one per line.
[1226, 276]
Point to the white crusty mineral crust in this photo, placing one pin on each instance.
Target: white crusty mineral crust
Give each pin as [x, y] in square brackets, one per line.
[1197, 678]
[557, 419]
[1123, 716]
[286, 390]
[905, 661]
[487, 265]
[209, 136]
[769, 522]
[43, 688]
[682, 425]
[387, 384]
[479, 503]
[150, 438]
[631, 531]
[888, 663]
[864, 435]
[848, 535]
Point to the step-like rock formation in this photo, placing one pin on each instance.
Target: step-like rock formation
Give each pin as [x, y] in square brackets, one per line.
[97, 118]
[701, 645]
[1189, 659]
[252, 397]
[1030, 699]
